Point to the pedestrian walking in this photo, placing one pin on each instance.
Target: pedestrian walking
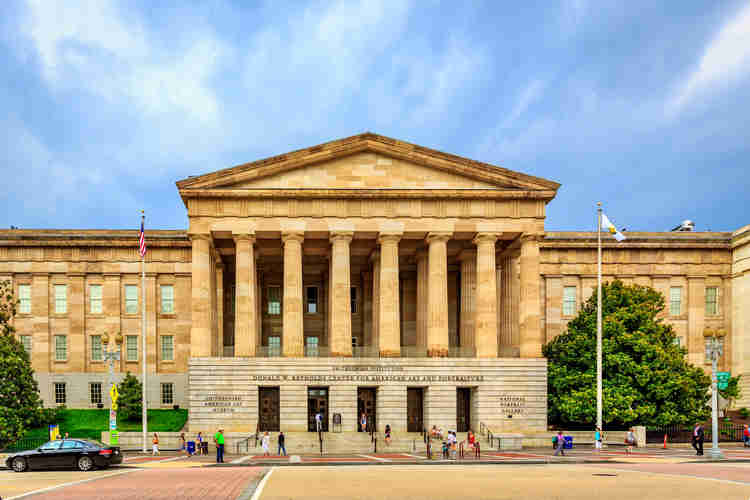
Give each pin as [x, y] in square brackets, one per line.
[318, 421]
[264, 443]
[630, 441]
[219, 441]
[697, 441]
[746, 435]
[387, 434]
[598, 439]
[282, 447]
[363, 422]
[452, 444]
[199, 444]
[155, 445]
[560, 444]
[183, 444]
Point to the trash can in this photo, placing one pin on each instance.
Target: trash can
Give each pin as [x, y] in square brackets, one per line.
[191, 447]
[204, 446]
[568, 444]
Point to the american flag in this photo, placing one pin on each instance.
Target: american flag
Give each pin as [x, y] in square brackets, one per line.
[142, 241]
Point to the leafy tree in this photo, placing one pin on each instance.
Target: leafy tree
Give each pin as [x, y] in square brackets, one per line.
[20, 405]
[732, 391]
[129, 404]
[646, 377]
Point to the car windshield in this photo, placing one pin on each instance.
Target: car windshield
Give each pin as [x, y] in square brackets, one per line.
[51, 445]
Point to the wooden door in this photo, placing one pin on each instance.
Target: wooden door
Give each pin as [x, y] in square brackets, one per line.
[366, 404]
[414, 409]
[268, 409]
[463, 409]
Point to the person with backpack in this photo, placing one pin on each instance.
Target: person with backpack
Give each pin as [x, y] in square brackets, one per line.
[630, 441]
[559, 443]
[155, 442]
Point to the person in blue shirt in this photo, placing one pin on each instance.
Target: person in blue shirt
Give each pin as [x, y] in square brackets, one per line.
[598, 439]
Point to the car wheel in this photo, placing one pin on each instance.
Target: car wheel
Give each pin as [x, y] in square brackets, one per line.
[19, 464]
[85, 463]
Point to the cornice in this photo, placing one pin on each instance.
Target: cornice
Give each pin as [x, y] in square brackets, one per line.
[469, 194]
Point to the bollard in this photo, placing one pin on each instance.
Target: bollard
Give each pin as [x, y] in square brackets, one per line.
[665, 441]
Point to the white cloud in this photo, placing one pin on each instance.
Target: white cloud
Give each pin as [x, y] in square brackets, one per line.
[95, 46]
[725, 59]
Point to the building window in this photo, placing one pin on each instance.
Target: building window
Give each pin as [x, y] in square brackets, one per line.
[274, 300]
[26, 342]
[131, 348]
[675, 300]
[97, 354]
[95, 299]
[61, 347]
[167, 393]
[569, 301]
[311, 347]
[167, 299]
[708, 352]
[167, 348]
[274, 346]
[61, 299]
[712, 300]
[60, 393]
[131, 299]
[354, 341]
[95, 392]
[353, 296]
[312, 299]
[24, 297]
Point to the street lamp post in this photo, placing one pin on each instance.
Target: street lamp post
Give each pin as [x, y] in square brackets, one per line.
[714, 348]
[112, 354]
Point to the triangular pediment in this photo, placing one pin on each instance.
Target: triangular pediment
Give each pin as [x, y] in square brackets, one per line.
[367, 161]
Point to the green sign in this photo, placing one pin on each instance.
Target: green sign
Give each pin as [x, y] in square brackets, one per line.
[722, 380]
[114, 438]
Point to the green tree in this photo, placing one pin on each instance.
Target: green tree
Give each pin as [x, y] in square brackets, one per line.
[129, 404]
[732, 391]
[646, 377]
[20, 405]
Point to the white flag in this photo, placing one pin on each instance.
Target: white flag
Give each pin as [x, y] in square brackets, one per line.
[606, 224]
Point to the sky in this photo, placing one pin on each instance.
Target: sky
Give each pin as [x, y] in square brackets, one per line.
[644, 106]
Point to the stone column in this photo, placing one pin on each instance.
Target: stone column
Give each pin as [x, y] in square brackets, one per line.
[292, 340]
[258, 305]
[366, 309]
[389, 324]
[437, 296]
[245, 307]
[200, 327]
[486, 293]
[375, 258]
[696, 309]
[529, 306]
[422, 288]
[220, 305]
[340, 339]
[466, 328]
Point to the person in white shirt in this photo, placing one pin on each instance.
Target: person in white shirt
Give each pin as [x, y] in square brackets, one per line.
[264, 443]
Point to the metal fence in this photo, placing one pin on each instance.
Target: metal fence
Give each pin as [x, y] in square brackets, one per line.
[728, 433]
[26, 444]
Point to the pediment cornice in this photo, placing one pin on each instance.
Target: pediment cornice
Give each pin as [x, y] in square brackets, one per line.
[505, 180]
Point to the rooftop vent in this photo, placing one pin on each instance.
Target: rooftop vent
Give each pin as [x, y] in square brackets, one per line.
[687, 225]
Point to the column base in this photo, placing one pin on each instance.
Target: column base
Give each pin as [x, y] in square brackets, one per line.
[437, 352]
[390, 354]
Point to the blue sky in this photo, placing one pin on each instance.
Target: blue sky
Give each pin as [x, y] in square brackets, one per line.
[642, 105]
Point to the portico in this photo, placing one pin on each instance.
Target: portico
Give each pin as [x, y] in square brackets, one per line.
[372, 249]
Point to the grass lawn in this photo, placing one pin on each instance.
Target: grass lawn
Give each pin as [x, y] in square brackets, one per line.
[89, 424]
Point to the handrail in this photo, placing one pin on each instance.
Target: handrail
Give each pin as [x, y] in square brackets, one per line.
[246, 442]
[257, 431]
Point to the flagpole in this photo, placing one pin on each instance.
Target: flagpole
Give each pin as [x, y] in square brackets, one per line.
[599, 318]
[143, 338]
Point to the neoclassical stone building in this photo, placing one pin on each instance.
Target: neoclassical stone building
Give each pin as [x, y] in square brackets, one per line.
[364, 274]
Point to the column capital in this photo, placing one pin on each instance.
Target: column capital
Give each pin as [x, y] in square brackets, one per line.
[467, 254]
[441, 236]
[389, 237]
[341, 236]
[201, 237]
[243, 237]
[292, 236]
[528, 237]
[485, 238]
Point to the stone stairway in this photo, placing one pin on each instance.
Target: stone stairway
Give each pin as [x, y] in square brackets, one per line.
[343, 442]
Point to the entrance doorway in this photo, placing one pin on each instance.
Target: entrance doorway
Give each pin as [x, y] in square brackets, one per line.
[463, 409]
[414, 409]
[366, 404]
[268, 409]
[317, 402]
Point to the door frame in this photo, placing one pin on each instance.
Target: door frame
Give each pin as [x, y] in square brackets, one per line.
[372, 418]
[318, 397]
[466, 408]
[409, 426]
[274, 426]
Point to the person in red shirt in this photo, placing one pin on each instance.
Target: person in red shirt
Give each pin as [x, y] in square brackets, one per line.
[746, 435]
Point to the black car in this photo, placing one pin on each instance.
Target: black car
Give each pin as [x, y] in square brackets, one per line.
[64, 453]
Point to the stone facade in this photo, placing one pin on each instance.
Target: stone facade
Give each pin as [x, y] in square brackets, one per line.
[362, 273]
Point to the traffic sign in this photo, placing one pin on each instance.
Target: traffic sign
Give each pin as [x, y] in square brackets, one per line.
[722, 380]
[113, 393]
